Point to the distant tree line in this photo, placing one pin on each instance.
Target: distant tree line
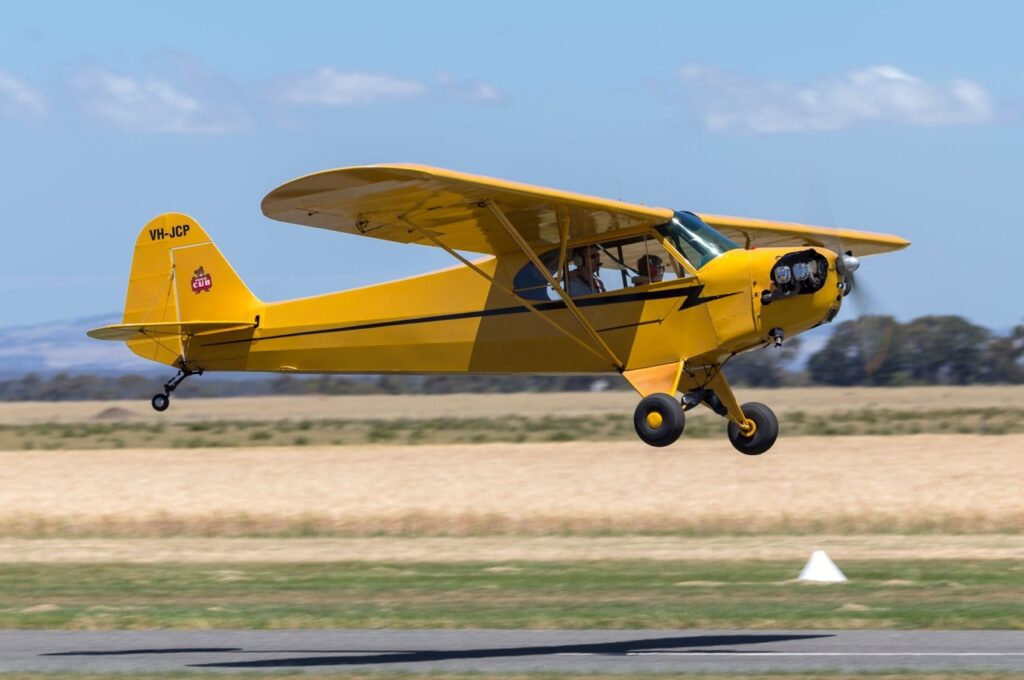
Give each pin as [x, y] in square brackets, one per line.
[73, 387]
[930, 350]
[876, 350]
[879, 350]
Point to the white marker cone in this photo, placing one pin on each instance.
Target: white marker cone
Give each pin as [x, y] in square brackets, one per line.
[821, 569]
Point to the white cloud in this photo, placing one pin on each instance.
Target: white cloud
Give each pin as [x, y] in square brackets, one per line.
[476, 90]
[878, 93]
[19, 99]
[485, 92]
[327, 86]
[153, 105]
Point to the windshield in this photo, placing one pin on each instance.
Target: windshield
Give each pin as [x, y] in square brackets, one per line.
[698, 242]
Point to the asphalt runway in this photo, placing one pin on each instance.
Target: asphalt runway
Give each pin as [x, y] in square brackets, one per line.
[489, 651]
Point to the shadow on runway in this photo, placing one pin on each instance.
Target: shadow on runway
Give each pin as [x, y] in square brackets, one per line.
[369, 657]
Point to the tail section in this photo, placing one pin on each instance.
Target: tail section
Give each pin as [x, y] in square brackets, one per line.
[178, 276]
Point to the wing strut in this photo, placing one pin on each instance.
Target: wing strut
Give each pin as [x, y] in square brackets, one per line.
[563, 232]
[572, 336]
[569, 304]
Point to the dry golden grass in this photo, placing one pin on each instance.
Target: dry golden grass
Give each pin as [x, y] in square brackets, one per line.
[508, 549]
[373, 407]
[951, 483]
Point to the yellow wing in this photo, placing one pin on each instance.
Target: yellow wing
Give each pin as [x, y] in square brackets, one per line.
[765, 234]
[139, 331]
[374, 200]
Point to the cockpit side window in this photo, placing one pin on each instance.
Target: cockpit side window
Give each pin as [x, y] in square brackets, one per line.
[591, 269]
[645, 261]
[530, 284]
[637, 261]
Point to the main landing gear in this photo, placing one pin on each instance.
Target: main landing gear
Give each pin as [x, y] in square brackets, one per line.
[659, 420]
[161, 401]
[758, 439]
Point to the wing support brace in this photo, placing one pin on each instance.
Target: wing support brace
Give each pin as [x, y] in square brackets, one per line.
[572, 336]
[569, 304]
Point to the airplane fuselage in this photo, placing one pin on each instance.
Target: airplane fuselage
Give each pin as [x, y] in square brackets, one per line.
[456, 321]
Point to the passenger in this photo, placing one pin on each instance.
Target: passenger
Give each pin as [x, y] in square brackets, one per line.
[584, 280]
[649, 269]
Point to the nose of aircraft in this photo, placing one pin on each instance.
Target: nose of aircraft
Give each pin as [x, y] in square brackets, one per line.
[794, 289]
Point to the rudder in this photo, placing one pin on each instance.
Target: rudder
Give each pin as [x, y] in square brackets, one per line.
[179, 275]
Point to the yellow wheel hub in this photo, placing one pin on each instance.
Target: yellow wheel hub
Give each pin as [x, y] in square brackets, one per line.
[654, 419]
[748, 428]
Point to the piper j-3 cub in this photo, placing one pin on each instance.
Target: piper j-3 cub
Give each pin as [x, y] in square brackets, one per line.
[568, 284]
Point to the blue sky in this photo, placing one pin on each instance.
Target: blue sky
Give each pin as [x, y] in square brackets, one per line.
[903, 117]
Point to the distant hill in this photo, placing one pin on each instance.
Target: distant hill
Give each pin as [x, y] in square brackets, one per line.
[62, 347]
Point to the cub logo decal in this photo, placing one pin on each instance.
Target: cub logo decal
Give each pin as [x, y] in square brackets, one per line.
[201, 281]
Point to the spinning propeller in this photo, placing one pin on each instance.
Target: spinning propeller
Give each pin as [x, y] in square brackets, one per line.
[874, 333]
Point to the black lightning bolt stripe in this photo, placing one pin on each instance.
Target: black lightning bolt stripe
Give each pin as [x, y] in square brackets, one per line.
[692, 295]
[693, 298]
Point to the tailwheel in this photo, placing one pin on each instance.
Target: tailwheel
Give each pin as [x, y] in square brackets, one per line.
[659, 419]
[161, 402]
[764, 430]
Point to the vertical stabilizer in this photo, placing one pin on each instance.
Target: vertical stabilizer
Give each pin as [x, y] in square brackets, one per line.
[179, 275]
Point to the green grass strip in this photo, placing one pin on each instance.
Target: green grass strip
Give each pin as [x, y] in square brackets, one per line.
[409, 431]
[595, 595]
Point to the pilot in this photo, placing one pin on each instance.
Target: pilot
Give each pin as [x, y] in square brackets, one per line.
[649, 269]
[584, 280]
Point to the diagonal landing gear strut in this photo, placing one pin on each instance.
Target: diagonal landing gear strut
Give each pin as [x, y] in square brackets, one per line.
[163, 400]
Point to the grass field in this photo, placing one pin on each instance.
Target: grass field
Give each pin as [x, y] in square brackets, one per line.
[839, 485]
[475, 419]
[392, 549]
[511, 511]
[575, 595]
[811, 400]
[415, 431]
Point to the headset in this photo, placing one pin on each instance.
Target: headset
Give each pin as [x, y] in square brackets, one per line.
[581, 253]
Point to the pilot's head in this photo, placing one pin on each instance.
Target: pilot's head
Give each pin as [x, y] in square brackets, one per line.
[587, 259]
[651, 267]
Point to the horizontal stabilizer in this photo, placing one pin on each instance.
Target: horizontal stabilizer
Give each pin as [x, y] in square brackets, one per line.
[139, 331]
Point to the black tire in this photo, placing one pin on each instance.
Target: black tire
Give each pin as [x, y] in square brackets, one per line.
[670, 413]
[160, 402]
[765, 435]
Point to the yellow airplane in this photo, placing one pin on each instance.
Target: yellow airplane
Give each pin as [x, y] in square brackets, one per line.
[568, 284]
